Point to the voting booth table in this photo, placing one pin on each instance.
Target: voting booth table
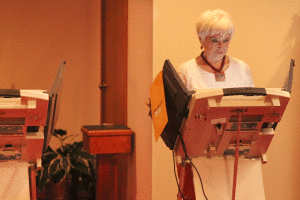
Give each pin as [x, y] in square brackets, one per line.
[219, 137]
[27, 119]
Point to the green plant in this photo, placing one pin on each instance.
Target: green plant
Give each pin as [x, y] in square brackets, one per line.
[67, 159]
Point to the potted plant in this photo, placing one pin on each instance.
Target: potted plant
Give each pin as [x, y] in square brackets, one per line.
[67, 162]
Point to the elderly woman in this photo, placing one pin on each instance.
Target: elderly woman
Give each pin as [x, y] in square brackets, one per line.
[213, 68]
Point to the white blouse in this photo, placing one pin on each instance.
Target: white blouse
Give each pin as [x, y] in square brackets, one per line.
[238, 74]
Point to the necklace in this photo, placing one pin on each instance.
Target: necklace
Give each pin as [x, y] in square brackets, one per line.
[219, 75]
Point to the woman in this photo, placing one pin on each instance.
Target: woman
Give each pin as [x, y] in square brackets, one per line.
[213, 68]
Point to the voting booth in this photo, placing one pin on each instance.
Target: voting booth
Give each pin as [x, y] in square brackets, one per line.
[27, 120]
[220, 137]
[230, 130]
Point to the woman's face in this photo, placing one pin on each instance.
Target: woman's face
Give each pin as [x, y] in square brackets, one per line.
[216, 46]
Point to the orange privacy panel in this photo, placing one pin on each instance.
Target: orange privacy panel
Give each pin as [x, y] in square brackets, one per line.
[158, 105]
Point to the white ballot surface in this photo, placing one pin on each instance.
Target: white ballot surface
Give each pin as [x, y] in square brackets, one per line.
[14, 184]
[217, 178]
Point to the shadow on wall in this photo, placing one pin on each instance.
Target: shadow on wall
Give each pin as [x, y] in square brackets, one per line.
[292, 40]
[290, 50]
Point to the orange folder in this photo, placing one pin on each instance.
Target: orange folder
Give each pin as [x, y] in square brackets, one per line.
[158, 105]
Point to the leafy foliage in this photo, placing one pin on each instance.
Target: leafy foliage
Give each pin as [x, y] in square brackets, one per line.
[67, 159]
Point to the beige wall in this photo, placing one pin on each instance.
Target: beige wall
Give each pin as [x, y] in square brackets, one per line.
[267, 36]
[35, 36]
[139, 81]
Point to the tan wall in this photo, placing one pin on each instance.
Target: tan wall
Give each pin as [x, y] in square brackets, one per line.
[35, 36]
[139, 81]
[267, 36]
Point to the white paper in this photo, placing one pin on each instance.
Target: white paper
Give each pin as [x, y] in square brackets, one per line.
[14, 184]
[217, 177]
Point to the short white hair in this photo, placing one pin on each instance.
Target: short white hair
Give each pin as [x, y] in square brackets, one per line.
[213, 22]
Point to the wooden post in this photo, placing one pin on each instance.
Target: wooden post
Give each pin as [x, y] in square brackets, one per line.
[111, 144]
